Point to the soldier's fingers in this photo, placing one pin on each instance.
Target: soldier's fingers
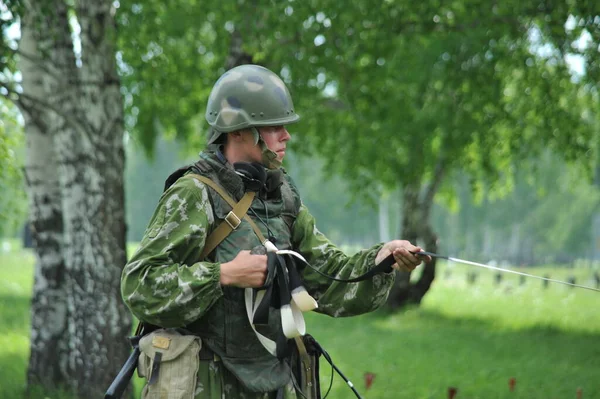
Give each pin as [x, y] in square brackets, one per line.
[402, 263]
[402, 260]
[409, 263]
[424, 258]
[260, 261]
[406, 254]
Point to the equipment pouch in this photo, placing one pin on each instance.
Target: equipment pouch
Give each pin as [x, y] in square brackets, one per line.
[169, 362]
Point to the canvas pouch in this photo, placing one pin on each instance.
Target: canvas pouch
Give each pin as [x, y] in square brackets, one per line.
[169, 362]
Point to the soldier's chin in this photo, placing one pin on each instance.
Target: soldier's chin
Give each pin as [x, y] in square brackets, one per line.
[280, 155]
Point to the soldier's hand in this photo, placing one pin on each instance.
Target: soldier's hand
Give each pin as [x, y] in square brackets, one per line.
[405, 260]
[245, 270]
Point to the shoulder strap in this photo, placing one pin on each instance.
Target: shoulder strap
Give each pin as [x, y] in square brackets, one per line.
[233, 218]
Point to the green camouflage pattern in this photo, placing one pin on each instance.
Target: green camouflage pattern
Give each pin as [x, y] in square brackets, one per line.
[166, 284]
[248, 96]
[238, 347]
[215, 382]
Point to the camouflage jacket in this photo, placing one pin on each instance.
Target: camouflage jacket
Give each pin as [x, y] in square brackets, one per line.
[166, 284]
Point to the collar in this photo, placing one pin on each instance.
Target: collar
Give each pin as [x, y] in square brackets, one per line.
[233, 183]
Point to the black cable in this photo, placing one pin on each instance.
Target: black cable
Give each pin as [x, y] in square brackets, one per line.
[296, 387]
[385, 266]
[271, 237]
[330, 384]
[269, 232]
[341, 280]
[328, 358]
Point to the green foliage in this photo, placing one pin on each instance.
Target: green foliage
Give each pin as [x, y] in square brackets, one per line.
[9, 9]
[13, 202]
[387, 91]
[342, 219]
[471, 337]
[168, 62]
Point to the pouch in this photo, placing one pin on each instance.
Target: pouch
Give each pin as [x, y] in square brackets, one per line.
[169, 362]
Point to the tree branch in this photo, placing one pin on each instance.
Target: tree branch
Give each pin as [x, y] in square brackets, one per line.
[237, 56]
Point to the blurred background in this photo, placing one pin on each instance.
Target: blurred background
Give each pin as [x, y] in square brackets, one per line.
[469, 127]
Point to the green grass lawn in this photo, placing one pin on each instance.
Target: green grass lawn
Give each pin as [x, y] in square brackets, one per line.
[472, 337]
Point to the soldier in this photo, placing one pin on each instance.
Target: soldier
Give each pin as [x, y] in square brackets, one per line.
[170, 283]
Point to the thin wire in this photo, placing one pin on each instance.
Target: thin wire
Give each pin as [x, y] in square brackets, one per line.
[466, 262]
[271, 237]
[348, 382]
[330, 361]
[296, 387]
[330, 384]
[341, 280]
[269, 232]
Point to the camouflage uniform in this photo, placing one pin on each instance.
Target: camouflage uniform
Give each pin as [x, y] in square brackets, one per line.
[166, 284]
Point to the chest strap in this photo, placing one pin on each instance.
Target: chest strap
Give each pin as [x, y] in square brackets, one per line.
[233, 218]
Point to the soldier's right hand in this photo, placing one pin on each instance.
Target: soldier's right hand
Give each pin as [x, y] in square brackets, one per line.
[245, 270]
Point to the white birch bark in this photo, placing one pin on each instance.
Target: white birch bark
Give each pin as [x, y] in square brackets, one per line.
[48, 306]
[76, 159]
[91, 165]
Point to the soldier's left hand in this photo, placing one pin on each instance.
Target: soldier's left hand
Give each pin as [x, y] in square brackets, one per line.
[405, 260]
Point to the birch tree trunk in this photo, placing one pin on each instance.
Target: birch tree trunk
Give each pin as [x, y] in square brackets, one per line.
[91, 165]
[48, 349]
[74, 126]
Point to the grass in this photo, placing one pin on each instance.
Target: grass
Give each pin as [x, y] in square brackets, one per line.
[472, 337]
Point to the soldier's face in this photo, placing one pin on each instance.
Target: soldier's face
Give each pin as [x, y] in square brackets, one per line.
[276, 138]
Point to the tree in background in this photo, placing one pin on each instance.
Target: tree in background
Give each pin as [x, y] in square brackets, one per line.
[542, 219]
[391, 94]
[62, 75]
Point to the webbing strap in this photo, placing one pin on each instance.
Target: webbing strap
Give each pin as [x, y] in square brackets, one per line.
[308, 380]
[238, 212]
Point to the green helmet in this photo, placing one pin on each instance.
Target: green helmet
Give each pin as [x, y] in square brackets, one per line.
[248, 96]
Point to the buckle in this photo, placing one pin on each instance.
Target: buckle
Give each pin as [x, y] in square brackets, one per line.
[232, 220]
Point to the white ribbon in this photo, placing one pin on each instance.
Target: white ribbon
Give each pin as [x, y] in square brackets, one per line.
[292, 319]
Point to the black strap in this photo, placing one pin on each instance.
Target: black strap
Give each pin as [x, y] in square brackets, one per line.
[173, 177]
[385, 266]
[155, 368]
[206, 353]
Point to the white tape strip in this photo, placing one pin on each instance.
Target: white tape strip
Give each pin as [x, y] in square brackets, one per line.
[269, 344]
[292, 319]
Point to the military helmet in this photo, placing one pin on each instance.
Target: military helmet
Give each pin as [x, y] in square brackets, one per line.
[248, 96]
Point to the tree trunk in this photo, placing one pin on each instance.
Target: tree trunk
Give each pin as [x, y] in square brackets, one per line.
[78, 136]
[401, 293]
[48, 305]
[237, 56]
[416, 209]
[91, 164]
